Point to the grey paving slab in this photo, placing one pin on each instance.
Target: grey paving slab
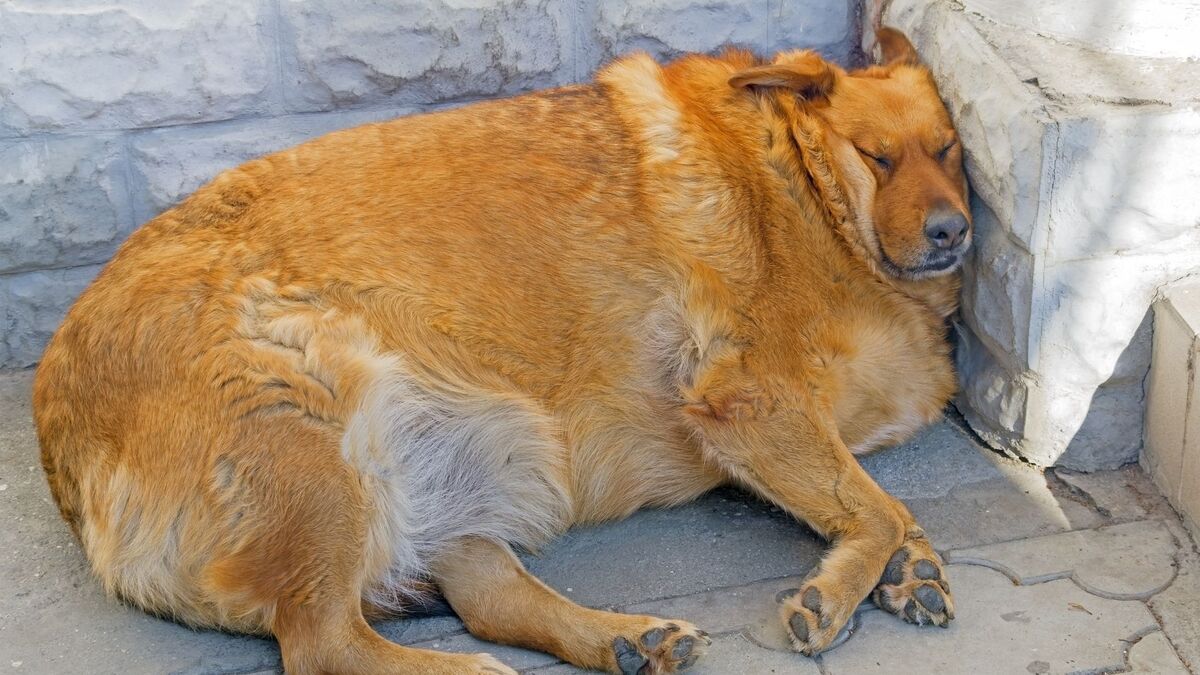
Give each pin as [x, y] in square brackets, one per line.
[1123, 494]
[1129, 561]
[1153, 655]
[724, 539]
[738, 654]
[722, 611]
[1178, 607]
[409, 631]
[964, 495]
[1054, 627]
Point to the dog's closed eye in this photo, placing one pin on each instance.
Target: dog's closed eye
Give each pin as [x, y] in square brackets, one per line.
[883, 163]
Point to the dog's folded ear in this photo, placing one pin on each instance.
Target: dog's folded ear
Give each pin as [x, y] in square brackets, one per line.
[805, 73]
[895, 48]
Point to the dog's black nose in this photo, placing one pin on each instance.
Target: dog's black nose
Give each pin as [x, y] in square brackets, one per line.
[946, 229]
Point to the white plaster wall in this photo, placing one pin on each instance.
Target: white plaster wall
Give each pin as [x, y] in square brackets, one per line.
[1081, 124]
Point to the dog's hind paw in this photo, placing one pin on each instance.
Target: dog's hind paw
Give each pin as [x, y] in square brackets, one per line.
[667, 648]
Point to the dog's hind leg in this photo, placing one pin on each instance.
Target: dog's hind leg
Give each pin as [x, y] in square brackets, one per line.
[500, 601]
[297, 557]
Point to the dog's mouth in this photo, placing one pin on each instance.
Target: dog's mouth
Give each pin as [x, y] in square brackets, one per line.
[936, 263]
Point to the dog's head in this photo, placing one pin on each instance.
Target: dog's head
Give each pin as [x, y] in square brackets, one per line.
[883, 142]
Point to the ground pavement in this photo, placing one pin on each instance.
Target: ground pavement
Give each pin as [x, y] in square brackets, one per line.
[1052, 573]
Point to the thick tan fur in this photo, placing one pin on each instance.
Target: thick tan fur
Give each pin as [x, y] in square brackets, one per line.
[339, 374]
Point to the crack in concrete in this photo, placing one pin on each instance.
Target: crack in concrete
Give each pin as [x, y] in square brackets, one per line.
[1075, 493]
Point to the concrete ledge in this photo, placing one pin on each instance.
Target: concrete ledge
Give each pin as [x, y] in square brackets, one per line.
[1171, 454]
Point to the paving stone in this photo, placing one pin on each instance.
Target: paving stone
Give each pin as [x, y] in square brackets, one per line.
[411, 631]
[738, 654]
[1178, 607]
[1123, 494]
[937, 460]
[63, 202]
[1001, 510]
[724, 539]
[1132, 560]
[132, 63]
[964, 495]
[1054, 627]
[1153, 655]
[722, 611]
[728, 654]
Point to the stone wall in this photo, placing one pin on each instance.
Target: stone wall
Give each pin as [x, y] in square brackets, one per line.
[1081, 125]
[112, 111]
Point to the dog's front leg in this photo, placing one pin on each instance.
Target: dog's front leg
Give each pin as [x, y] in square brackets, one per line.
[800, 463]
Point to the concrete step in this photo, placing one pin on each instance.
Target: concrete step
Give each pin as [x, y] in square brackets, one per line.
[1171, 454]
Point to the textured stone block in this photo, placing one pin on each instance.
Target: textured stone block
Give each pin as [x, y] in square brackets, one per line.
[1168, 31]
[824, 25]
[132, 63]
[169, 164]
[63, 202]
[32, 305]
[1124, 182]
[992, 397]
[1084, 211]
[666, 28]
[998, 284]
[340, 52]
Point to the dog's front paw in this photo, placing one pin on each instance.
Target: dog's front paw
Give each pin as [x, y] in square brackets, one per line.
[814, 616]
[669, 647]
[914, 585]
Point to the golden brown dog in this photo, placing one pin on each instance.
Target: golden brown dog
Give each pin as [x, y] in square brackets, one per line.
[346, 372]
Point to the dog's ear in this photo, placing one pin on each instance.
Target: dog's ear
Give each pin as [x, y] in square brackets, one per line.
[895, 48]
[805, 73]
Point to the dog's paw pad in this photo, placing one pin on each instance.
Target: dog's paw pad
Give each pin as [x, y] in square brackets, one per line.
[809, 619]
[914, 586]
[671, 647]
